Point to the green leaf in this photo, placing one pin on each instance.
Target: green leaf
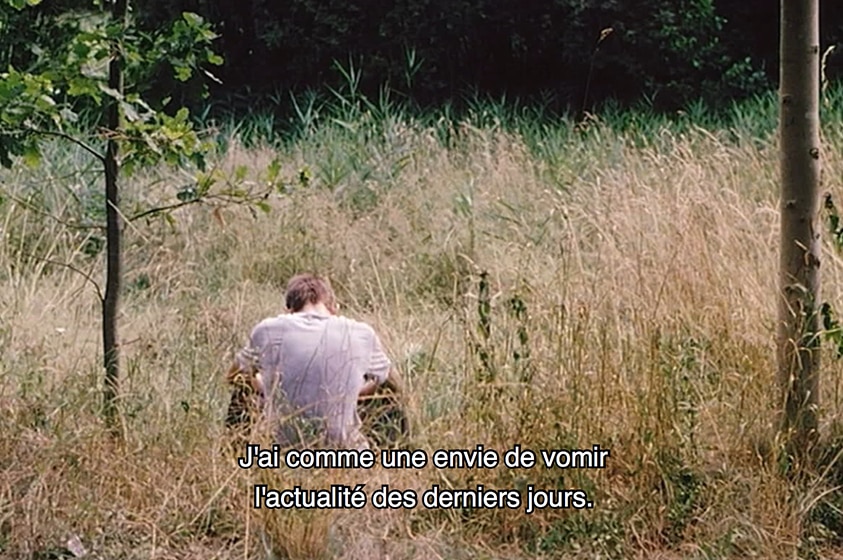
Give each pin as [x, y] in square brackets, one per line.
[305, 176]
[187, 194]
[80, 85]
[32, 155]
[81, 49]
[21, 4]
[45, 103]
[192, 19]
[263, 206]
[111, 92]
[93, 245]
[204, 182]
[183, 72]
[130, 112]
[273, 170]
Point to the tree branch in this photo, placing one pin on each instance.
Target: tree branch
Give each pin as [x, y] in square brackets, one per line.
[33, 208]
[213, 197]
[70, 267]
[82, 144]
[160, 209]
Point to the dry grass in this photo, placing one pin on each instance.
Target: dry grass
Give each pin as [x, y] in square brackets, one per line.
[647, 298]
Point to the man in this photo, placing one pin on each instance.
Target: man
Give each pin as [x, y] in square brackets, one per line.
[310, 366]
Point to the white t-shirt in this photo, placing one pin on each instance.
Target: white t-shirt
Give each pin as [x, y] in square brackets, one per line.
[313, 368]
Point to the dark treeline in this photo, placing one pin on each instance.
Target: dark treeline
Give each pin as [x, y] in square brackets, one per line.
[669, 52]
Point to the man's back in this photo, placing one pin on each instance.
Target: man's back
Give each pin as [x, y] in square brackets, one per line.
[313, 366]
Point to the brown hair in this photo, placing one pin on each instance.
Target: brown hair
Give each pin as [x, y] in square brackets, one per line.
[308, 288]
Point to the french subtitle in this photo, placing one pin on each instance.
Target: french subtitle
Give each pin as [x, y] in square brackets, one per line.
[340, 496]
[478, 498]
[556, 499]
[477, 458]
[255, 456]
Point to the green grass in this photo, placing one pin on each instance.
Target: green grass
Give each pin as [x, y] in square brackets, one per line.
[537, 281]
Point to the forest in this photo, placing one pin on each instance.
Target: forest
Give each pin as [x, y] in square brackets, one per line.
[561, 217]
[566, 53]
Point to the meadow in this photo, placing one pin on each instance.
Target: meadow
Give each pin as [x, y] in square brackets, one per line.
[536, 280]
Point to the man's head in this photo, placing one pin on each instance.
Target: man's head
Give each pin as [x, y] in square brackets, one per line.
[304, 289]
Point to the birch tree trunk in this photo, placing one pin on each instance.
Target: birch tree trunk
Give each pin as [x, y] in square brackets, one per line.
[799, 282]
[113, 231]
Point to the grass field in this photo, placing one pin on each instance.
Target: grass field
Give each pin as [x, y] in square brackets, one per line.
[536, 283]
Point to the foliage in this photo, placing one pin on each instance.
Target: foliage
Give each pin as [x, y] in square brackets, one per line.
[64, 82]
[668, 51]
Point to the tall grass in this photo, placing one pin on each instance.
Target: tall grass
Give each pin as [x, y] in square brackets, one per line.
[537, 281]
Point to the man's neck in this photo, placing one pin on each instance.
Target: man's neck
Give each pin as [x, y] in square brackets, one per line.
[317, 308]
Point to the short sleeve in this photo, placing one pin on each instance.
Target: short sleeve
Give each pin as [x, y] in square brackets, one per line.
[379, 364]
[248, 359]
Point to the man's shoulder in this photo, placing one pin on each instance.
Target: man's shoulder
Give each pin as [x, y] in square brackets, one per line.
[353, 324]
[356, 322]
[271, 323]
[287, 321]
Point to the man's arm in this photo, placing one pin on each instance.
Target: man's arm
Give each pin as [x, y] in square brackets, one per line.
[369, 388]
[380, 371]
[392, 384]
[238, 377]
[245, 371]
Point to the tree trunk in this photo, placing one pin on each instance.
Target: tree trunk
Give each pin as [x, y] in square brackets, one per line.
[799, 324]
[113, 233]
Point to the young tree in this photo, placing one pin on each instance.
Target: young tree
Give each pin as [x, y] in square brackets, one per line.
[799, 322]
[113, 221]
[90, 69]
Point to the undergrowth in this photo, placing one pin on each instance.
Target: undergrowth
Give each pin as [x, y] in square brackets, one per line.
[538, 281]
